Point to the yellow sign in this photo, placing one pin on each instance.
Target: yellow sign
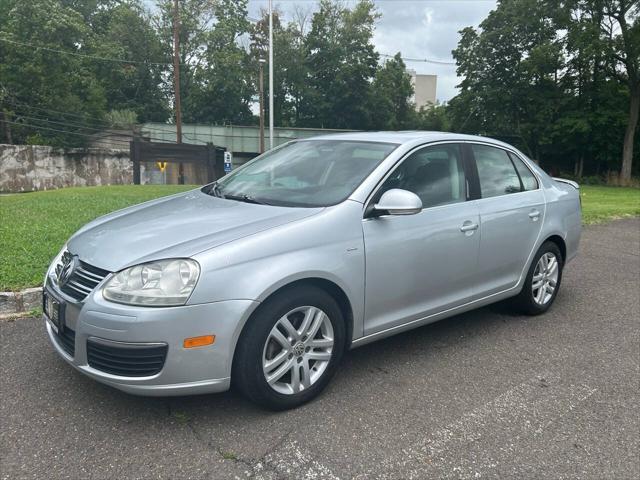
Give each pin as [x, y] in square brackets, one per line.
[162, 166]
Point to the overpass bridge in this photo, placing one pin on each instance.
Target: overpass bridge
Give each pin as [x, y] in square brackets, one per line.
[242, 141]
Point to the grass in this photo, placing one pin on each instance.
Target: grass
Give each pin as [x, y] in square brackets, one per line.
[600, 204]
[33, 226]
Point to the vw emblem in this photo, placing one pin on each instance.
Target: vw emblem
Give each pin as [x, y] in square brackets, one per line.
[298, 350]
[69, 265]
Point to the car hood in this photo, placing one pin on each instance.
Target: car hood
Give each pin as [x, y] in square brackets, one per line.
[176, 226]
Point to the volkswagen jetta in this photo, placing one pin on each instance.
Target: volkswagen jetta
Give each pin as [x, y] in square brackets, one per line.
[264, 278]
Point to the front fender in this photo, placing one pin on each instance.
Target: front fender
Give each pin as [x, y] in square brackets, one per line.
[327, 246]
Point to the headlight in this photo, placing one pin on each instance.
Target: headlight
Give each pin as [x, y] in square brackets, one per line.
[164, 283]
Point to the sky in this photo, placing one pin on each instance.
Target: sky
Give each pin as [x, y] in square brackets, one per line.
[416, 28]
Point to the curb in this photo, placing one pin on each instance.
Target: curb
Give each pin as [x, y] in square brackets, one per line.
[14, 304]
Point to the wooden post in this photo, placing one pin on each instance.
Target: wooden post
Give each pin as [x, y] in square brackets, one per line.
[134, 152]
[211, 160]
[176, 70]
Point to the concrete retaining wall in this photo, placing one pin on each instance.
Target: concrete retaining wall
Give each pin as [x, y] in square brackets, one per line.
[25, 168]
[12, 303]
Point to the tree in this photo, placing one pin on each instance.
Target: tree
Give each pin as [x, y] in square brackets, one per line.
[553, 78]
[215, 87]
[341, 62]
[510, 70]
[434, 118]
[36, 83]
[290, 71]
[124, 31]
[625, 49]
[391, 105]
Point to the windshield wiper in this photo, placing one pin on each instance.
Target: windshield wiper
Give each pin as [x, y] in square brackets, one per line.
[215, 191]
[244, 198]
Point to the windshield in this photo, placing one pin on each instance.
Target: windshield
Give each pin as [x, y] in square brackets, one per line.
[313, 173]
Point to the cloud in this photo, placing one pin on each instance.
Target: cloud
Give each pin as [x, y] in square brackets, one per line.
[417, 29]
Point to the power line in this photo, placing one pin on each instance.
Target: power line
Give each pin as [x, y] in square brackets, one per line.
[82, 55]
[94, 136]
[64, 124]
[166, 64]
[20, 124]
[423, 60]
[96, 121]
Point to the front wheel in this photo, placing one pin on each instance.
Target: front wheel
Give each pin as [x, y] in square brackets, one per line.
[543, 281]
[290, 348]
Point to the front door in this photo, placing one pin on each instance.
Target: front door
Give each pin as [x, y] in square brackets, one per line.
[418, 265]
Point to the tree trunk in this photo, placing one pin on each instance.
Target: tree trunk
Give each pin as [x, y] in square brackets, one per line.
[579, 167]
[627, 149]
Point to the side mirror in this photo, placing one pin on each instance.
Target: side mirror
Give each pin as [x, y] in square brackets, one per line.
[398, 202]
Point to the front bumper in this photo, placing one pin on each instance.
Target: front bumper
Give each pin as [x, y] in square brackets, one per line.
[185, 371]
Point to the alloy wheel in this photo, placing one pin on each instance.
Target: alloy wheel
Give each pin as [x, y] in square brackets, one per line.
[545, 278]
[298, 350]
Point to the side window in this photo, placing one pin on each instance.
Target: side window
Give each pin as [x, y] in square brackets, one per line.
[496, 172]
[434, 173]
[529, 181]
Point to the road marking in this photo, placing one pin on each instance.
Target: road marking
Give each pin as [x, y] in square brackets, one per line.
[289, 460]
[521, 413]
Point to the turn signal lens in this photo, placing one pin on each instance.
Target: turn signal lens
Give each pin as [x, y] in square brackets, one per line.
[199, 341]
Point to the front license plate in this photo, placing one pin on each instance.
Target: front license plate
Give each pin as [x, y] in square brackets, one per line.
[54, 310]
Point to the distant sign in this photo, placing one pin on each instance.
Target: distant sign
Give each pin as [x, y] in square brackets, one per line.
[227, 162]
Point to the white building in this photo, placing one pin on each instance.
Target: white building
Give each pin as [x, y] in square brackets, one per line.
[424, 89]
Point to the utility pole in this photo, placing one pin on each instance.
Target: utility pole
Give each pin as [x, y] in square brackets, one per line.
[176, 70]
[261, 90]
[271, 74]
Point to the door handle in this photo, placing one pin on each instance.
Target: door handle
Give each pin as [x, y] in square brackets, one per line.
[533, 215]
[469, 227]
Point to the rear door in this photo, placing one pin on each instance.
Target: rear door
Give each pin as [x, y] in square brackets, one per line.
[511, 207]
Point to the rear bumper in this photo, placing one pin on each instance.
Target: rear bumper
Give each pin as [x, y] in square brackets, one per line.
[198, 370]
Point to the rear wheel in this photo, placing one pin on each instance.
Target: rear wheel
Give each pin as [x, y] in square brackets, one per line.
[543, 281]
[290, 348]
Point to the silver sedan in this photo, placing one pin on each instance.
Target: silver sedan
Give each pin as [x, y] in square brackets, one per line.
[263, 279]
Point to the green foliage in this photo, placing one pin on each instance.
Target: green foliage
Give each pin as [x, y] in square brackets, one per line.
[434, 118]
[60, 93]
[123, 31]
[104, 57]
[39, 77]
[391, 104]
[124, 119]
[290, 69]
[215, 87]
[554, 78]
[558, 79]
[343, 62]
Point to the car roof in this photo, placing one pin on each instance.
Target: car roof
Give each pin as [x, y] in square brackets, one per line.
[404, 137]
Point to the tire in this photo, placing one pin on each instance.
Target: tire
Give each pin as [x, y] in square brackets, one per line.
[532, 301]
[261, 347]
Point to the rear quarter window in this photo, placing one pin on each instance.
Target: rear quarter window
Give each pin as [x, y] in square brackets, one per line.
[529, 180]
[496, 172]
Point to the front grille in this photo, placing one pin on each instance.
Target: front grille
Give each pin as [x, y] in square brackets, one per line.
[67, 340]
[83, 280]
[126, 361]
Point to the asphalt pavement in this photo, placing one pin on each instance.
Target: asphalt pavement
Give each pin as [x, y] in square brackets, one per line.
[486, 394]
